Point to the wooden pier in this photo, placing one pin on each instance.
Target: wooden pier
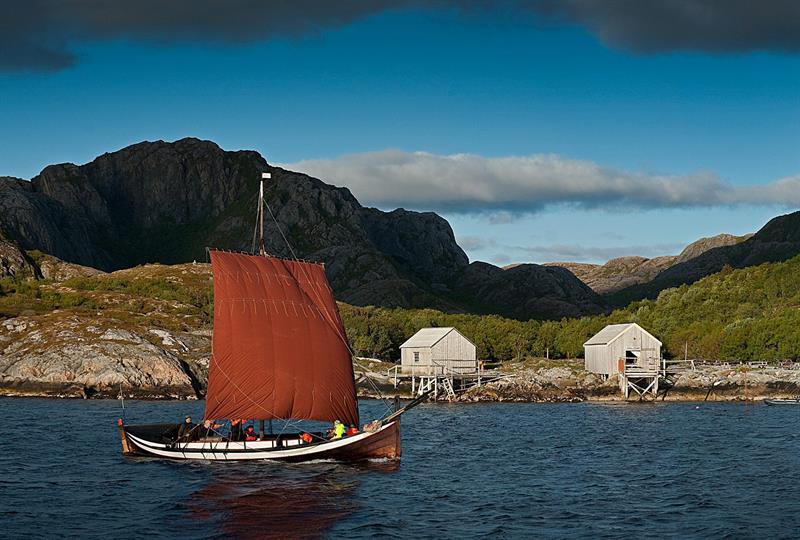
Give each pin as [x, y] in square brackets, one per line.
[647, 378]
[445, 383]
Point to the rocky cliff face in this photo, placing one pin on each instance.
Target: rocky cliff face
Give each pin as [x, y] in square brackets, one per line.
[624, 272]
[166, 202]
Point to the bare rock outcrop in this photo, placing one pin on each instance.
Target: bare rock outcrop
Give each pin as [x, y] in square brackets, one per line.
[15, 262]
[55, 269]
[49, 355]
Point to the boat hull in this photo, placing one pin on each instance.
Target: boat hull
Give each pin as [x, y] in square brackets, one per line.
[382, 443]
[782, 401]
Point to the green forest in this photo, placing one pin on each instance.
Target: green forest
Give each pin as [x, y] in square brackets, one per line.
[744, 314]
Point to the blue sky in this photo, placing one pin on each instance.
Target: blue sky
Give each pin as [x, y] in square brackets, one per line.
[427, 84]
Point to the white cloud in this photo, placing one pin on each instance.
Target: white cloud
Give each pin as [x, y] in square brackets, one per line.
[581, 253]
[473, 183]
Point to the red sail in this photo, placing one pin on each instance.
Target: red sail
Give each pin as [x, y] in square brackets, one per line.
[279, 347]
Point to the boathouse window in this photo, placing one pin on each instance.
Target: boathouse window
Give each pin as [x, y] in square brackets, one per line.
[416, 357]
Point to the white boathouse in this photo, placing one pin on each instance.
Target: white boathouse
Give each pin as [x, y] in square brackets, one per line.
[628, 350]
[438, 351]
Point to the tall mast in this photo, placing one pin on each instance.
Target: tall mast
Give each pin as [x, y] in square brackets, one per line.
[261, 248]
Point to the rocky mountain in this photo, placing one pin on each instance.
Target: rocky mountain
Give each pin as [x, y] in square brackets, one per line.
[166, 202]
[623, 272]
[778, 240]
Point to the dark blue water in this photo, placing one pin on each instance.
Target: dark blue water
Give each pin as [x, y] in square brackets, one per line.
[503, 470]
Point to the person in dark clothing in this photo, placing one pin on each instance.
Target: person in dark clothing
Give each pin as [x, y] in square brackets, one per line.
[187, 430]
[250, 434]
[209, 429]
[236, 429]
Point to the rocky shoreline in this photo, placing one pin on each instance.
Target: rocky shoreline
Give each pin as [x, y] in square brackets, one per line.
[569, 383]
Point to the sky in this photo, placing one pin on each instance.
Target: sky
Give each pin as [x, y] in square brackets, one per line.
[542, 130]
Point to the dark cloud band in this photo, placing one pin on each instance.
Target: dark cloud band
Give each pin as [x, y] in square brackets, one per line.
[670, 25]
[39, 34]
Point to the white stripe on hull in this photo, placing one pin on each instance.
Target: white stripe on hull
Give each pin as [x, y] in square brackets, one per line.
[220, 451]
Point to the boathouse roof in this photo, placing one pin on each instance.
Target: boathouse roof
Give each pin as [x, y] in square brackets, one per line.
[428, 337]
[612, 332]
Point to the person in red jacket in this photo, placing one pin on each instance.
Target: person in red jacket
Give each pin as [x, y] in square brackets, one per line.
[250, 434]
[351, 430]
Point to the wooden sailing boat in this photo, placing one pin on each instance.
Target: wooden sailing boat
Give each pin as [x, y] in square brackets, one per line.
[279, 352]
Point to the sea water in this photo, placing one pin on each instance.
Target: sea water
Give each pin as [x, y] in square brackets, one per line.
[587, 470]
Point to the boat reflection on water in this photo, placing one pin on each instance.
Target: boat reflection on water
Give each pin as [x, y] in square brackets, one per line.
[278, 501]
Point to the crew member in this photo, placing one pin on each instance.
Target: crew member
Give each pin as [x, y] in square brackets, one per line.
[236, 429]
[185, 432]
[250, 434]
[352, 430]
[209, 429]
[338, 430]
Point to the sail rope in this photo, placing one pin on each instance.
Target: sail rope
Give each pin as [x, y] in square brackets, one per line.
[317, 293]
[255, 234]
[245, 394]
[287, 422]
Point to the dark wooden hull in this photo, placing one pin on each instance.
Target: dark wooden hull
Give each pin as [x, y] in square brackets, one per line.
[383, 443]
